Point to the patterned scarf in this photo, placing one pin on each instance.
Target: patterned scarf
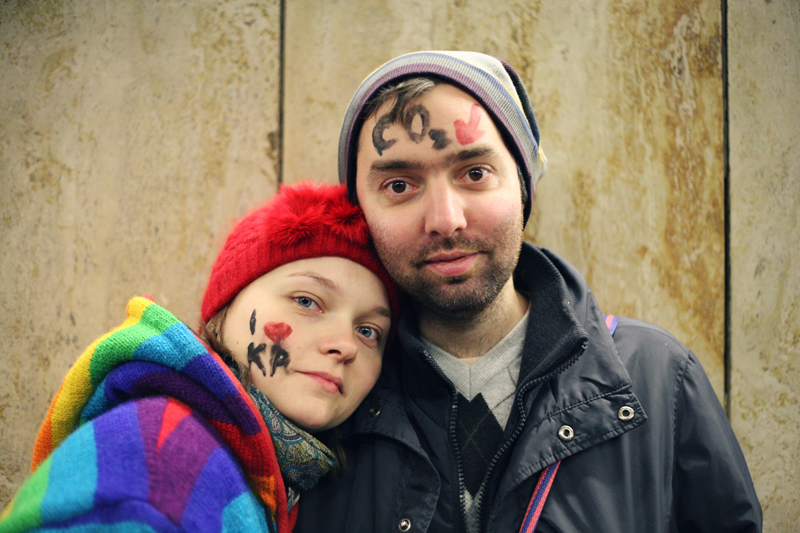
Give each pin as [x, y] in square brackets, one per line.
[302, 458]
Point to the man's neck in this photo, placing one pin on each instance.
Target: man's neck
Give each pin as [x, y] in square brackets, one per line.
[465, 337]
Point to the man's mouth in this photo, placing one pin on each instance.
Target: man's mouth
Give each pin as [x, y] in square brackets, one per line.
[451, 263]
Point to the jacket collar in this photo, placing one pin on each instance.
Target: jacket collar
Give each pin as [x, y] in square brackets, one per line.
[566, 342]
[553, 340]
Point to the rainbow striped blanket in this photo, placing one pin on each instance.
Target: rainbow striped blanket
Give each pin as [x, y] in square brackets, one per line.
[150, 431]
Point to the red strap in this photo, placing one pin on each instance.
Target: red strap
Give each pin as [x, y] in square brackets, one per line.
[539, 496]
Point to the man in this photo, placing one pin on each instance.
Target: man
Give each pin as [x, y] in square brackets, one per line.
[505, 365]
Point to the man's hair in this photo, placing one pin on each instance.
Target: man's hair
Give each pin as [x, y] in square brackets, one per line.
[403, 92]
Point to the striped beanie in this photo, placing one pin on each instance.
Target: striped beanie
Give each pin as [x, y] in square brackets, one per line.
[491, 81]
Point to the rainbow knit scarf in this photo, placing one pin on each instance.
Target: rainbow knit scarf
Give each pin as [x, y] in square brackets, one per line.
[152, 368]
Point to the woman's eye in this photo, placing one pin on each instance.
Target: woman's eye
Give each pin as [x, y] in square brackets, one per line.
[368, 332]
[305, 301]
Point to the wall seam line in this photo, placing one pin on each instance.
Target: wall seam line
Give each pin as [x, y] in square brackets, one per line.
[281, 88]
[727, 203]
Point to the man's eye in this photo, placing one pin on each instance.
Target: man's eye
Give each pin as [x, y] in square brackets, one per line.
[476, 174]
[398, 187]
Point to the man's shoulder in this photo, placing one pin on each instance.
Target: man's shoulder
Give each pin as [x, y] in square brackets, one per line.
[642, 338]
[658, 363]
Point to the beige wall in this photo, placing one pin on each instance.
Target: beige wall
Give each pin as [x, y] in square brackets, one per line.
[129, 136]
[629, 103]
[131, 133]
[764, 75]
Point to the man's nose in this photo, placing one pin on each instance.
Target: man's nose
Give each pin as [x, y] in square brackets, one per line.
[444, 210]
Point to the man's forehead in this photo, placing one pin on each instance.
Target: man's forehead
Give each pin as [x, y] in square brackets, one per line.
[444, 116]
[442, 94]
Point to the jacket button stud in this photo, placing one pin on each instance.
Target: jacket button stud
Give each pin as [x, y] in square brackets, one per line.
[566, 434]
[374, 411]
[404, 525]
[625, 413]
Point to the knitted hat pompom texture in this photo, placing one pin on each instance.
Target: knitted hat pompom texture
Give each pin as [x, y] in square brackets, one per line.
[491, 81]
[301, 221]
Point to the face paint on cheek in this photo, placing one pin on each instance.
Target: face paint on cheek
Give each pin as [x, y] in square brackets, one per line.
[254, 356]
[277, 331]
[469, 133]
[378, 141]
[279, 357]
[253, 323]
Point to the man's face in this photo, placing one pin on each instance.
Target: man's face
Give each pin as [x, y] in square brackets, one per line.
[442, 198]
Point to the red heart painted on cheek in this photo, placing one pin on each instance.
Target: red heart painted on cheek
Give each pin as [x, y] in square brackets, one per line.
[277, 331]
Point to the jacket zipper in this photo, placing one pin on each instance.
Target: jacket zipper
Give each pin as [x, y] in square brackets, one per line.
[518, 429]
[451, 434]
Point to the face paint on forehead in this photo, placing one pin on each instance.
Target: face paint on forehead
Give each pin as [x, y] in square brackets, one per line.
[440, 140]
[439, 137]
[425, 118]
[378, 141]
[469, 133]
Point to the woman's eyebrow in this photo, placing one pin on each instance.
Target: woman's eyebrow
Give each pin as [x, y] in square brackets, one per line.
[332, 285]
[381, 311]
[322, 280]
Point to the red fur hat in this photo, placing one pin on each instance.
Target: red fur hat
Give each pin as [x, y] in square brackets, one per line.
[301, 221]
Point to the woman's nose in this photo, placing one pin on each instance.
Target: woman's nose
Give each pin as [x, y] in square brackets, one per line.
[340, 342]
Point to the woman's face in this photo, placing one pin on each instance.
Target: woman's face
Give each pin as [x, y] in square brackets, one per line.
[312, 333]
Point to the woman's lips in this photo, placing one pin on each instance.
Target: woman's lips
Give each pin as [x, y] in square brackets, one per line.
[328, 382]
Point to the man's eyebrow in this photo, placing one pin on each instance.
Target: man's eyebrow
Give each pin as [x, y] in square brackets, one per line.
[386, 165]
[470, 153]
[322, 280]
[395, 164]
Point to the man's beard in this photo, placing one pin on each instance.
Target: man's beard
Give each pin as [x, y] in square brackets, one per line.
[460, 297]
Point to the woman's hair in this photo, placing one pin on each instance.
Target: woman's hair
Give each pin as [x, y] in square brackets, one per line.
[211, 334]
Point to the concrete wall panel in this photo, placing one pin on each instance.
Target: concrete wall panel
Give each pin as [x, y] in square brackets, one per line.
[764, 96]
[131, 133]
[629, 100]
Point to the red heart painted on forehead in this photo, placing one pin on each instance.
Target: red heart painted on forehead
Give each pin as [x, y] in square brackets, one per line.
[468, 133]
[277, 331]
